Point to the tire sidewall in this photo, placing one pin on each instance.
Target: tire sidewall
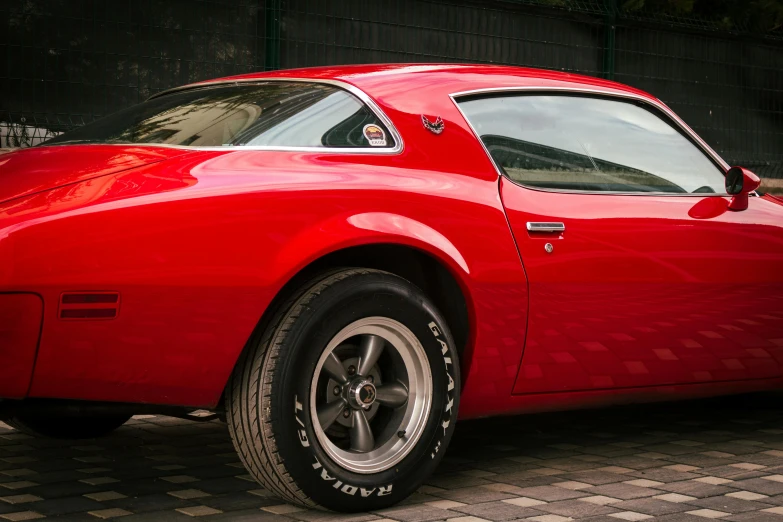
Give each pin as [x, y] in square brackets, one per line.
[364, 295]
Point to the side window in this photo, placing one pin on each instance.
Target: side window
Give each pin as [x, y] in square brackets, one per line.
[579, 143]
[277, 114]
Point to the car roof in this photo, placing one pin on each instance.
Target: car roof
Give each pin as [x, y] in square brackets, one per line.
[384, 80]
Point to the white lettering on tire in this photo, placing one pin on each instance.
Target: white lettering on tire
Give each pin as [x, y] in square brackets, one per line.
[449, 388]
[302, 433]
[339, 485]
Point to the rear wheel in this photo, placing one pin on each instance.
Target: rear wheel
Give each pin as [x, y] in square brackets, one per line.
[350, 397]
[66, 426]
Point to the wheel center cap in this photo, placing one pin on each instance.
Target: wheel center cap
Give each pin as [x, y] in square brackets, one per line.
[362, 394]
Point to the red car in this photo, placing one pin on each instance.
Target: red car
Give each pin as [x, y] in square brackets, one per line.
[335, 259]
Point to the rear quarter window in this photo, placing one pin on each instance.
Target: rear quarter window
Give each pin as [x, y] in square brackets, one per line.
[266, 114]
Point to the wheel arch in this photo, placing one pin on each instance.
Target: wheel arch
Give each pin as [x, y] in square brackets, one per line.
[434, 276]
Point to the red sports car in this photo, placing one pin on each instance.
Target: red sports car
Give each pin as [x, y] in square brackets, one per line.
[334, 259]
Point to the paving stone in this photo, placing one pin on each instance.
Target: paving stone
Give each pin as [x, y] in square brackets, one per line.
[457, 481]
[199, 511]
[179, 479]
[105, 495]
[188, 494]
[110, 513]
[622, 491]
[65, 506]
[445, 504]
[20, 499]
[524, 502]
[315, 515]
[759, 485]
[600, 500]
[553, 493]
[576, 509]
[747, 466]
[99, 481]
[499, 511]
[652, 506]
[282, 509]
[586, 466]
[22, 515]
[643, 483]
[159, 502]
[715, 481]
[696, 489]
[728, 504]
[630, 515]
[746, 495]
[751, 516]
[674, 497]
[664, 475]
[576, 486]
[20, 484]
[596, 478]
[708, 513]
[682, 468]
[550, 518]
[474, 495]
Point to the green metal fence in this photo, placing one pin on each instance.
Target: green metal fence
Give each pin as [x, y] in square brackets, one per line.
[67, 62]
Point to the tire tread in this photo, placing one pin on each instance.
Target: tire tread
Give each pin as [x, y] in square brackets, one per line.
[251, 430]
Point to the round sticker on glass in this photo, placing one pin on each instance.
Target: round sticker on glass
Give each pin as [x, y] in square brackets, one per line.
[375, 135]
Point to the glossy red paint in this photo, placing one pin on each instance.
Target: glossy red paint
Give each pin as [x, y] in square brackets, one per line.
[20, 327]
[28, 171]
[750, 182]
[648, 290]
[642, 298]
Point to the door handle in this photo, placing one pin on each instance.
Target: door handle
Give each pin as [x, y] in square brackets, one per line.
[545, 226]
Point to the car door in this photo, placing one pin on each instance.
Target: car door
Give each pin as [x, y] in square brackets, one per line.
[639, 273]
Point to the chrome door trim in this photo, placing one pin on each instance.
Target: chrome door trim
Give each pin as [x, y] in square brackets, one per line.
[530, 89]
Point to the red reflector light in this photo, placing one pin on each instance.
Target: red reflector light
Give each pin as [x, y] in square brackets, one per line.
[89, 298]
[89, 305]
[100, 313]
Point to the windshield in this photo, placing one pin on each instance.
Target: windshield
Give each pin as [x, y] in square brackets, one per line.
[285, 114]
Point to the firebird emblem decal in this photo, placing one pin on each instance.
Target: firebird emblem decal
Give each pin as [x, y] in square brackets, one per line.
[435, 128]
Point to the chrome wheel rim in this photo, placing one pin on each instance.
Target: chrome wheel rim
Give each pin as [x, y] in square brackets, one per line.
[371, 395]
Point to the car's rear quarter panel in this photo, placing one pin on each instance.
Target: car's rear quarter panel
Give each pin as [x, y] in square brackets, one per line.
[198, 247]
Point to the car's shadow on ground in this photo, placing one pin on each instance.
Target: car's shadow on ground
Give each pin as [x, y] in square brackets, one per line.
[672, 461]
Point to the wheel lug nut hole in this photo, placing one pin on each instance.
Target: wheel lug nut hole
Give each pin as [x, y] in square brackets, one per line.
[346, 413]
[351, 370]
[337, 390]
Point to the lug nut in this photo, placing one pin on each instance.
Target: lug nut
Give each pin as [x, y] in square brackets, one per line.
[337, 390]
[351, 370]
[370, 378]
[346, 413]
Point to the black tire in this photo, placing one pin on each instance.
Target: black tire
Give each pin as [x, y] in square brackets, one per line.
[268, 396]
[66, 426]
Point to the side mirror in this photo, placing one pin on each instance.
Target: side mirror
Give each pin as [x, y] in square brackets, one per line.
[739, 183]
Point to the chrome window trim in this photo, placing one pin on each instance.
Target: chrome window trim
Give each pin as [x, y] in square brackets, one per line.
[361, 95]
[700, 143]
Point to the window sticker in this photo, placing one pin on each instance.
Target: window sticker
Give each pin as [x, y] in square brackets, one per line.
[375, 135]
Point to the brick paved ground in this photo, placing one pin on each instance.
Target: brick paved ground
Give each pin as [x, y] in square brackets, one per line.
[717, 459]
